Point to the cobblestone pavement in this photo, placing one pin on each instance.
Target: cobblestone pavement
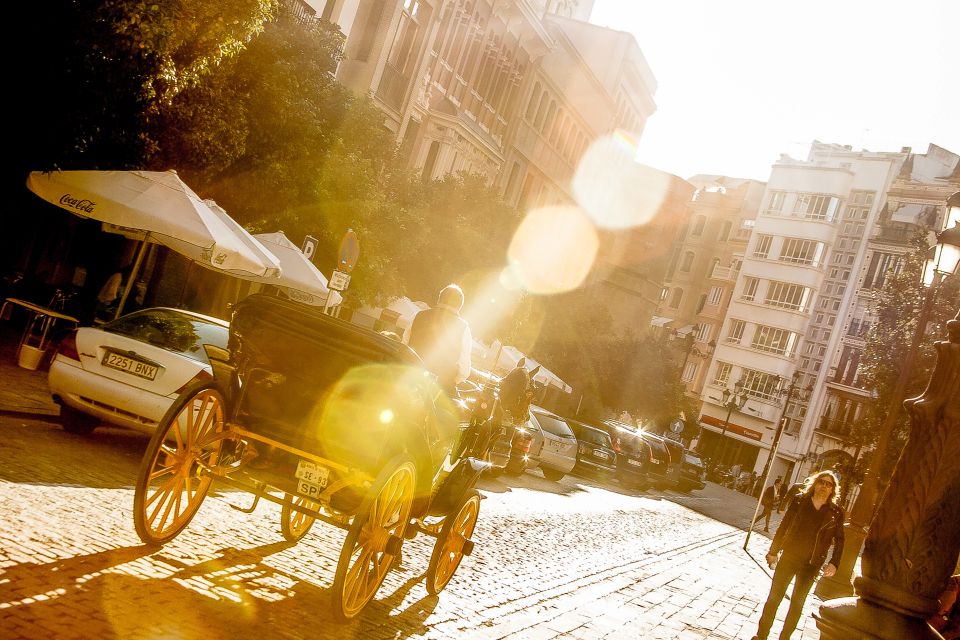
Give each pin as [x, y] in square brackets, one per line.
[552, 560]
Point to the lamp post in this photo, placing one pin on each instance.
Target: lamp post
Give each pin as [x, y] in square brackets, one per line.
[914, 538]
[788, 398]
[734, 399]
[941, 264]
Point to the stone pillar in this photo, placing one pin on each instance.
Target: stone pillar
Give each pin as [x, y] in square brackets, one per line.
[914, 540]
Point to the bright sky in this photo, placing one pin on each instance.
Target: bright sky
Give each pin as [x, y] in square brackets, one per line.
[742, 81]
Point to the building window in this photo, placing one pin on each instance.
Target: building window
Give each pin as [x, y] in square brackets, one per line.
[722, 376]
[762, 248]
[736, 331]
[701, 302]
[776, 201]
[760, 384]
[676, 298]
[813, 206]
[716, 295]
[725, 230]
[800, 251]
[690, 371]
[749, 289]
[704, 332]
[698, 225]
[788, 296]
[687, 261]
[774, 340]
[881, 265]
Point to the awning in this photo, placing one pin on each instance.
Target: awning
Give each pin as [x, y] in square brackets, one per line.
[659, 321]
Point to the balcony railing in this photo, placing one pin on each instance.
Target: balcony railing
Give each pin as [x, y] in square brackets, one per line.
[724, 273]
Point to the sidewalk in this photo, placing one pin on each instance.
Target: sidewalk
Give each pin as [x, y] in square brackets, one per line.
[22, 392]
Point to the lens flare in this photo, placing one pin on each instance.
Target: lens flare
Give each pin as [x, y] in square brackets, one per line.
[616, 191]
[553, 250]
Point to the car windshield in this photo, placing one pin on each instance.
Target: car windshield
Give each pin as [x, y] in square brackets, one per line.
[554, 426]
[594, 436]
[171, 330]
[692, 459]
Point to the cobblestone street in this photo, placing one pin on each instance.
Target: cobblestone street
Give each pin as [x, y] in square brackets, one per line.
[570, 560]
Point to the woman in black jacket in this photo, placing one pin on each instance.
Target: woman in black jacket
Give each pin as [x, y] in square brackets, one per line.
[812, 524]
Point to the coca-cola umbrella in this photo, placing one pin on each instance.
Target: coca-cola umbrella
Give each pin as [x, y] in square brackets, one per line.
[300, 279]
[156, 206]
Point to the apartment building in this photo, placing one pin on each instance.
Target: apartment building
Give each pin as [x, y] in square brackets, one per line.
[795, 290]
[703, 270]
[915, 201]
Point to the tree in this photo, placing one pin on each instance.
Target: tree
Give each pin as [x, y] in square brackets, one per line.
[896, 307]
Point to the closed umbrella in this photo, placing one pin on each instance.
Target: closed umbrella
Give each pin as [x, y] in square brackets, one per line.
[156, 206]
[299, 278]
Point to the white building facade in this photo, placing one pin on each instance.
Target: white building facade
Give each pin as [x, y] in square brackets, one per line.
[795, 289]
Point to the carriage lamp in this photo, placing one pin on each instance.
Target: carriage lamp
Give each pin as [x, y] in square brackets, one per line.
[945, 254]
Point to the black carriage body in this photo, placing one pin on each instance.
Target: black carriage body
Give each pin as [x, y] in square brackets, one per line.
[336, 390]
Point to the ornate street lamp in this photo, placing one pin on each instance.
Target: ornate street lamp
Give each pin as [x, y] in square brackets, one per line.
[914, 539]
[732, 399]
[789, 394]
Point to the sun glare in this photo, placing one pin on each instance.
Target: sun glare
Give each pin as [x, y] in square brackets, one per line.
[553, 250]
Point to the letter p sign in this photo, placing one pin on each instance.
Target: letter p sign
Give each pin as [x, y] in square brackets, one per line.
[309, 247]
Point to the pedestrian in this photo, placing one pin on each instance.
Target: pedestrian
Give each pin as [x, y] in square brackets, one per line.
[789, 494]
[812, 524]
[443, 340]
[767, 502]
[108, 299]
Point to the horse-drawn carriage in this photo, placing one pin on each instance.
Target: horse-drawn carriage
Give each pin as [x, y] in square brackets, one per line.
[333, 422]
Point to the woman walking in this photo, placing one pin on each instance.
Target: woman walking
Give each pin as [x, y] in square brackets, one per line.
[812, 524]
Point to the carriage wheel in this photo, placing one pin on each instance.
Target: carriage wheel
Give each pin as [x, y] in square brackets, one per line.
[170, 486]
[293, 524]
[374, 538]
[450, 547]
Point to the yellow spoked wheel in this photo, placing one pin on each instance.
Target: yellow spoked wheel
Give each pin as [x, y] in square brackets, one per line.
[293, 524]
[453, 543]
[374, 539]
[170, 484]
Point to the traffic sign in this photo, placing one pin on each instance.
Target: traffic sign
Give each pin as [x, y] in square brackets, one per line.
[309, 247]
[339, 280]
[349, 252]
[676, 426]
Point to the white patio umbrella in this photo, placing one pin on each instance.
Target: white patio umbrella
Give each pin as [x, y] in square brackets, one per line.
[301, 280]
[155, 206]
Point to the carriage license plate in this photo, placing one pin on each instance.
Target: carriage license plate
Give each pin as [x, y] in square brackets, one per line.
[312, 478]
[137, 367]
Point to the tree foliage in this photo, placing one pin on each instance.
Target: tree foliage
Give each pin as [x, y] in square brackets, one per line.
[897, 308]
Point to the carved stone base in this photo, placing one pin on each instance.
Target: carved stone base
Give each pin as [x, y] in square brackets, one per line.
[847, 618]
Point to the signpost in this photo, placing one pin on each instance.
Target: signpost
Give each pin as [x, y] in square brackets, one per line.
[309, 247]
[346, 260]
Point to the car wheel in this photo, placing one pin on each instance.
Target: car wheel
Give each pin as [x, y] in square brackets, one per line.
[552, 474]
[76, 422]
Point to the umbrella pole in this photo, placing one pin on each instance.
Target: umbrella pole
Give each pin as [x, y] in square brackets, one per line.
[132, 278]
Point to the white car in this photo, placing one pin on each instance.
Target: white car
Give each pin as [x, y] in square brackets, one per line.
[557, 453]
[129, 371]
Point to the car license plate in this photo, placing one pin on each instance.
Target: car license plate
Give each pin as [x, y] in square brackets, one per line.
[635, 463]
[600, 454]
[312, 478]
[129, 365]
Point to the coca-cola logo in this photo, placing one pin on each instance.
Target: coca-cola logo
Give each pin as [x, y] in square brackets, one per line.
[79, 204]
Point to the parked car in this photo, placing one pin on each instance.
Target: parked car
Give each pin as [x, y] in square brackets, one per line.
[557, 455]
[634, 457]
[595, 454]
[693, 473]
[129, 371]
[511, 450]
[661, 474]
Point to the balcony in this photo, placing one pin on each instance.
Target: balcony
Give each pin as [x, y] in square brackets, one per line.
[724, 273]
[839, 429]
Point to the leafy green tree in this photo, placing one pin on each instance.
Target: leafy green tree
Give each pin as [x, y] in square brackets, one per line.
[897, 306]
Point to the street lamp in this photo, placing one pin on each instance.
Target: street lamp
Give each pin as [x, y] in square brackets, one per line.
[732, 399]
[788, 394]
[943, 260]
[914, 538]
